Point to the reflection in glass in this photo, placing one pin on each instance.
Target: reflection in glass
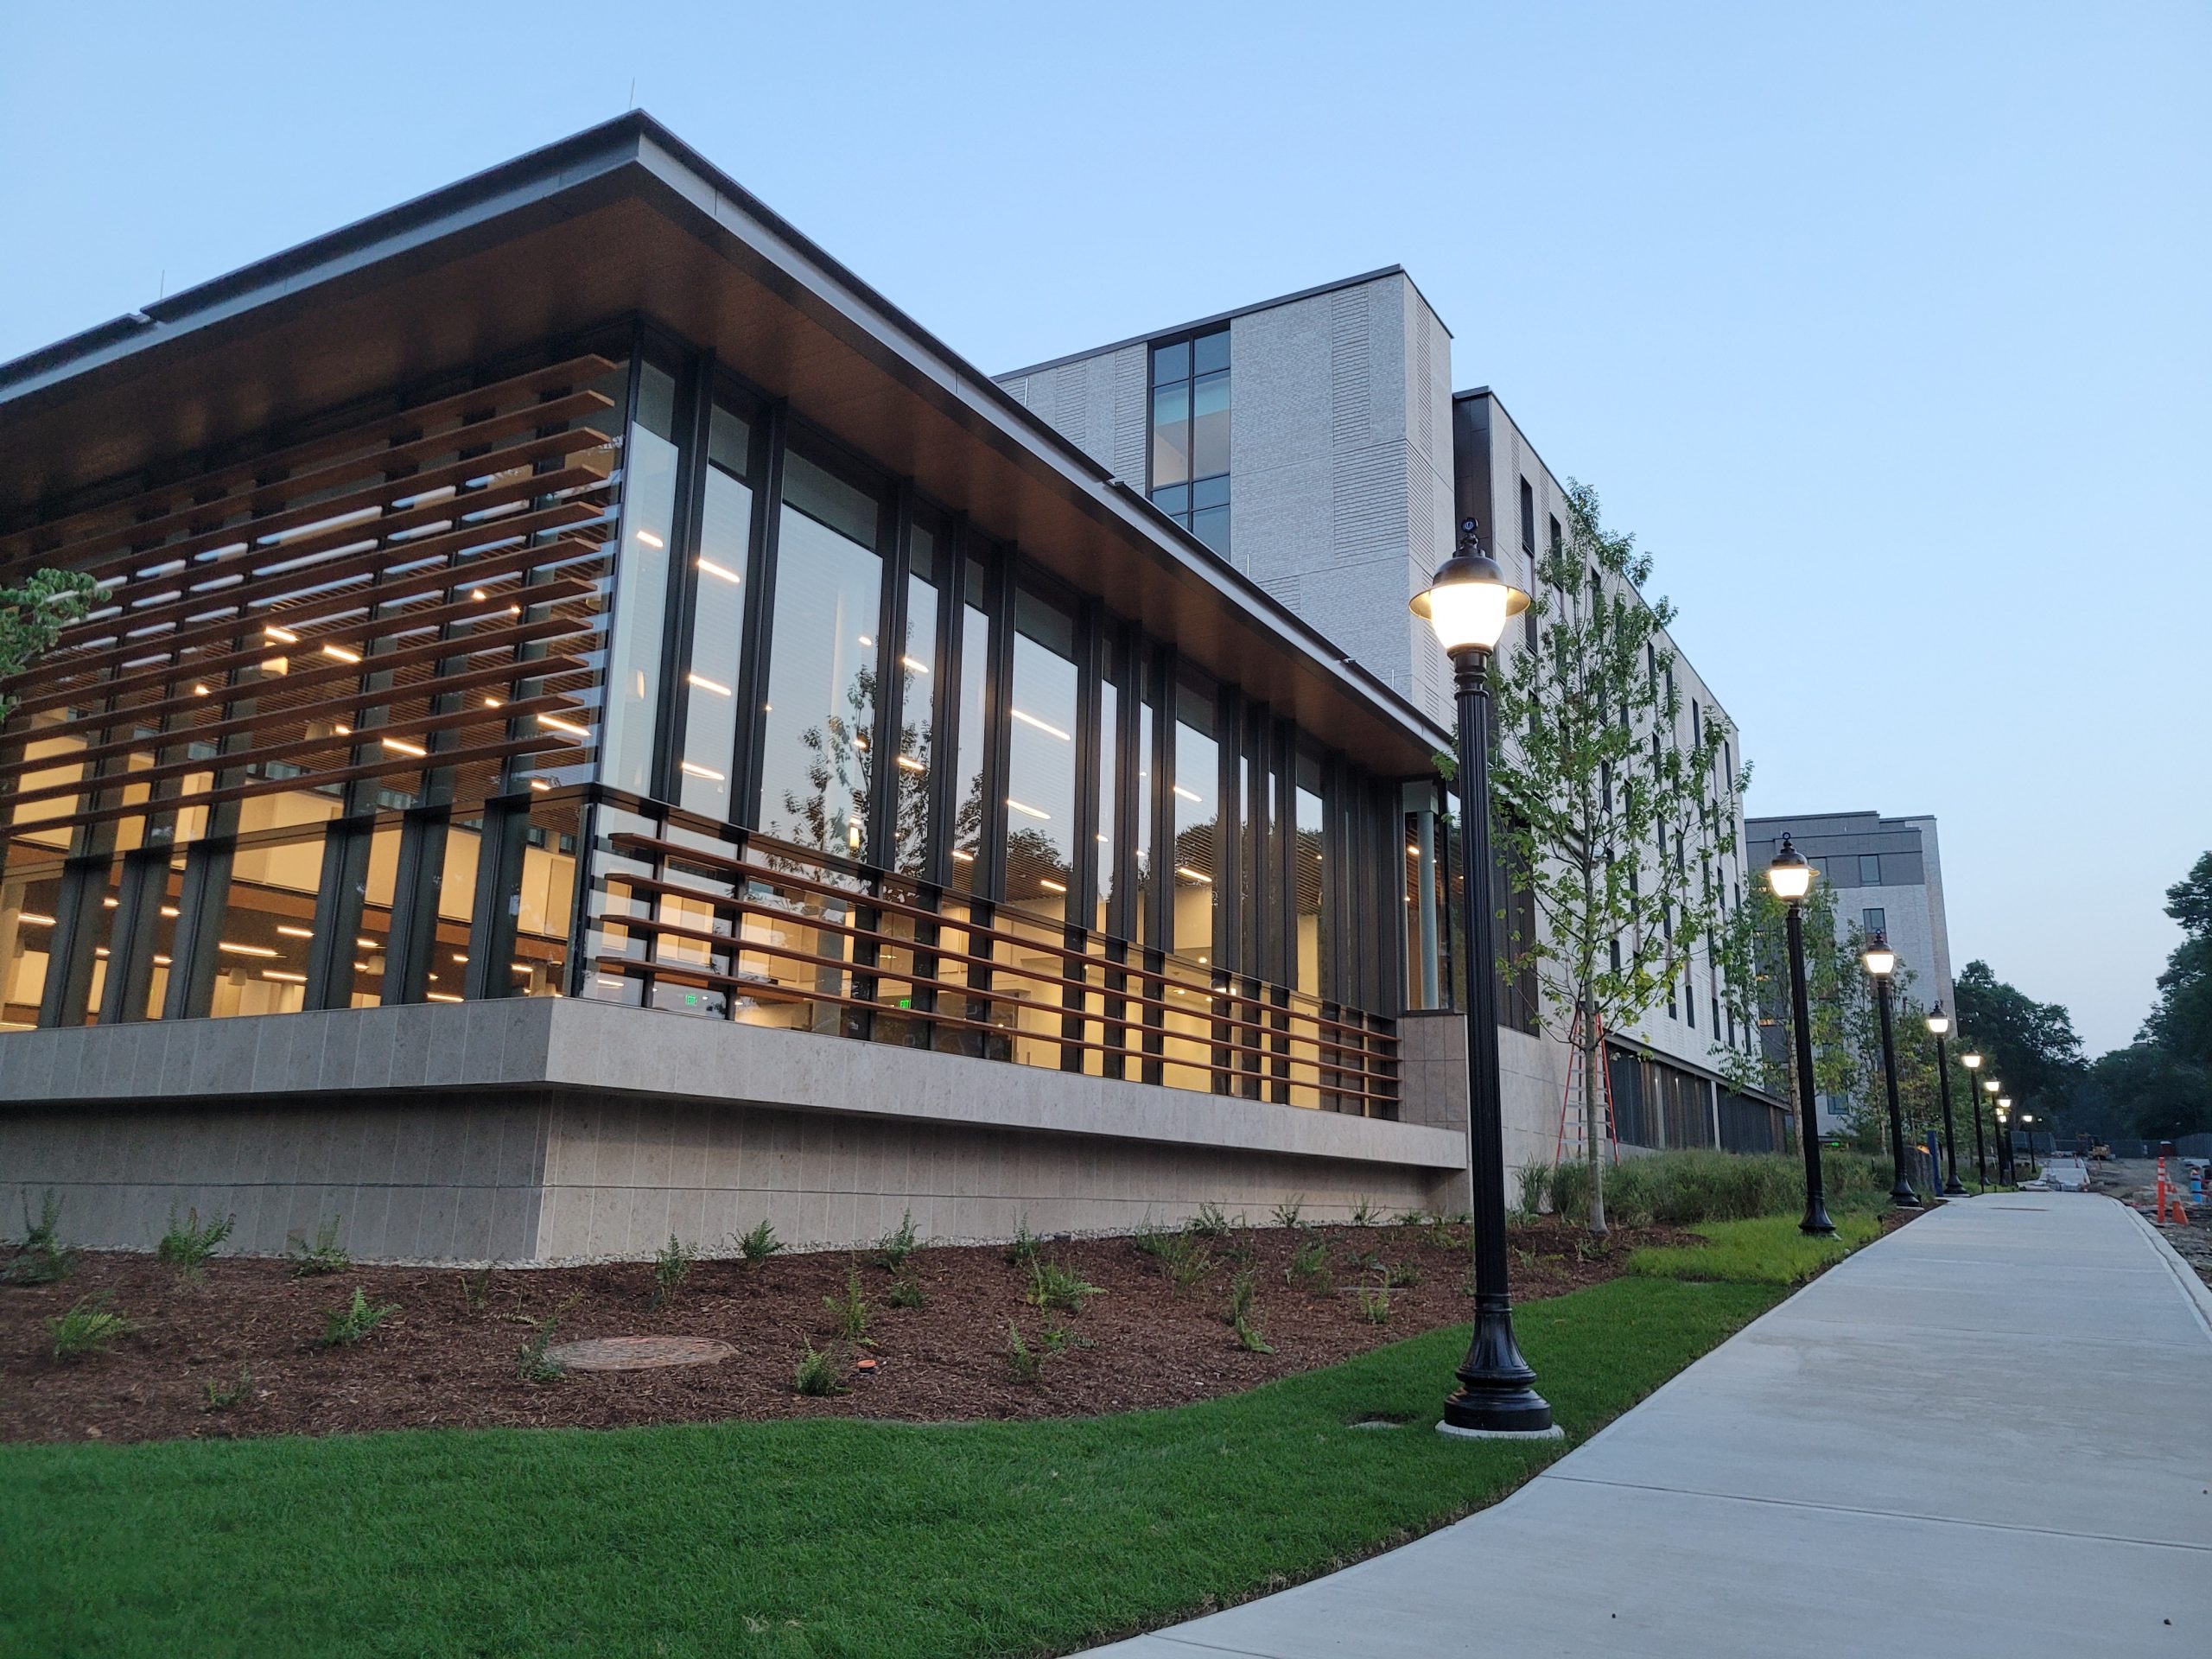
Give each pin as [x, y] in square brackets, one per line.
[1109, 736]
[641, 583]
[1310, 878]
[917, 686]
[722, 565]
[820, 713]
[967, 818]
[1197, 822]
[1040, 826]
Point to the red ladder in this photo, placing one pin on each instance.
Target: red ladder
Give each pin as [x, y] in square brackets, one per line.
[1567, 1112]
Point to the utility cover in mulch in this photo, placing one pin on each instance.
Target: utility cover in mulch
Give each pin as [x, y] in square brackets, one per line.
[636, 1353]
[240, 1354]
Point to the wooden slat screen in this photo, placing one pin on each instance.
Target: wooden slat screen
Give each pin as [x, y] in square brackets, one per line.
[425, 589]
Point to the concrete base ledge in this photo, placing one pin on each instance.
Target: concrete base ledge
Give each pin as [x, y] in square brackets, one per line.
[548, 1131]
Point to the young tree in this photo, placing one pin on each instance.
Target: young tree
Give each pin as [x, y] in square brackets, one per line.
[1609, 813]
[1751, 947]
[32, 617]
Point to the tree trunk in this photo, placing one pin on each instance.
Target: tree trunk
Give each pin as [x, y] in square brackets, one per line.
[1593, 1120]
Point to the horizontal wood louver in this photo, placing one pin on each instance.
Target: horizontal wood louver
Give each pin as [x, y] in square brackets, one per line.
[423, 590]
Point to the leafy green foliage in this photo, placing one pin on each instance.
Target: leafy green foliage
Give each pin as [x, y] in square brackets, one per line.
[1363, 1214]
[2160, 1086]
[1027, 1362]
[1374, 1304]
[324, 1256]
[1026, 1246]
[819, 1372]
[1766, 1250]
[221, 1396]
[671, 1267]
[1243, 1314]
[1286, 1213]
[895, 1246]
[33, 615]
[758, 1245]
[91, 1326]
[906, 1291]
[1210, 1222]
[532, 1362]
[1052, 1285]
[43, 1258]
[848, 1312]
[344, 1327]
[186, 1245]
[1679, 1188]
[1402, 1275]
[1309, 1267]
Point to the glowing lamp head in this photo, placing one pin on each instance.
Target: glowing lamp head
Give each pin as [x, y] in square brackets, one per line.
[1938, 1021]
[1789, 878]
[1972, 1062]
[1881, 961]
[1469, 601]
[2004, 1107]
[1992, 1086]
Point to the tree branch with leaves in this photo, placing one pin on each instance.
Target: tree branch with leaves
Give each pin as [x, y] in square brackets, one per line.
[32, 617]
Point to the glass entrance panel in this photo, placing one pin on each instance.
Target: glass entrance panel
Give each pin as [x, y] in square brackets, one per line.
[721, 569]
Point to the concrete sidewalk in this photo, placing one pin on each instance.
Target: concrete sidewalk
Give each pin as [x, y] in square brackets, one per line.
[1991, 1433]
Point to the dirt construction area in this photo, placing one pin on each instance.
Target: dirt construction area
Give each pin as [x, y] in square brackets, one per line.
[2135, 1181]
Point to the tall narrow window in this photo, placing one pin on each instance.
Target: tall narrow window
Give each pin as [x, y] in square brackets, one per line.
[820, 713]
[1874, 919]
[1198, 821]
[1870, 869]
[912, 765]
[1142, 862]
[1103, 832]
[970, 796]
[1310, 877]
[641, 584]
[719, 570]
[1190, 436]
[1041, 722]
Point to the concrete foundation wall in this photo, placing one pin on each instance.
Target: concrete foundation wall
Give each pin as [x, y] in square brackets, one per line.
[551, 1130]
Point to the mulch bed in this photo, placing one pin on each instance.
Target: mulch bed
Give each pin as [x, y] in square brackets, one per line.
[447, 1357]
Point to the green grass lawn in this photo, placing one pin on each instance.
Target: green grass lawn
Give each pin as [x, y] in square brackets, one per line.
[1767, 1250]
[811, 1538]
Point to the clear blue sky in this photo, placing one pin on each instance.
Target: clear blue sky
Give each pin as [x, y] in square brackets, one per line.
[1885, 327]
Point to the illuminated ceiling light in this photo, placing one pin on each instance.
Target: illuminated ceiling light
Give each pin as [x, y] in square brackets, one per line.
[245, 949]
[290, 979]
[341, 729]
[459, 957]
[559, 725]
[168, 911]
[866, 642]
[1049, 885]
[199, 690]
[1101, 838]
[341, 654]
[441, 996]
[1188, 796]
[706, 684]
[99, 951]
[958, 857]
[708, 567]
[478, 594]
[909, 662]
[690, 770]
[363, 968]
[907, 763]
[397, 747]
[514, 610]
[649, 539]
[107, 904]
[520, 967]
[368, 944]
[1045, 726]
[282, 635]
[291, 932]
[1184, 869]
[160, 961]
[491, 703]
[1024, 808]
[540, 784]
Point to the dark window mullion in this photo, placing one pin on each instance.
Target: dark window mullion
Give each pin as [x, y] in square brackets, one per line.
[694, 412]
[752, 657]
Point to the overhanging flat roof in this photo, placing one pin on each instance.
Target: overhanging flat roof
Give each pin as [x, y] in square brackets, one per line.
[622, 218]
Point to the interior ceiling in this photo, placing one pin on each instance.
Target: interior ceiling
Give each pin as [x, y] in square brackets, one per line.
[512, 286]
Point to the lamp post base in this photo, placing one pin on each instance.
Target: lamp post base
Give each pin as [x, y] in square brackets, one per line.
[1901, 1197]
[1816, 1216]
[1954, 1188]
[1504, 1414]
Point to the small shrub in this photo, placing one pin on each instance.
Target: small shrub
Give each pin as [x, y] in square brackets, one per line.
[1241, 1317]
[1210, 1222]
[532, 1362]
[671, 1267]
[1365, 1214]
[1535, 1191]
[1403, 1276]
[1185, 1260]
[1027, 1364]
[43, 1258]
[91, 1326]
[1309, 1267]
[1409, 1218]
[1374, 1306]
[906, 1292]
[476, 1290]
[324, 1256]
[820, 1371]
[344, 1327]
[759, 1245]
[1052, 1285]
[222, 1396]
[187, 1245]
[1026, 1246]
[849, 1312]
[1288, 1211]
[895, 1246]
[1153, 1241]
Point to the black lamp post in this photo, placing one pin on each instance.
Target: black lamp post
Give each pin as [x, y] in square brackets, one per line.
[1789, 878]
[1938, 1023]
[1972, 1061]
[1468, 605]
[1881, 962]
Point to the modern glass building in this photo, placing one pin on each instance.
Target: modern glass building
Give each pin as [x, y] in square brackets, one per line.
[574, 601]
